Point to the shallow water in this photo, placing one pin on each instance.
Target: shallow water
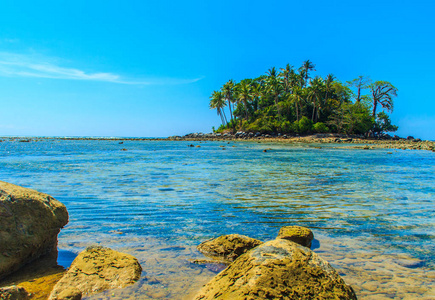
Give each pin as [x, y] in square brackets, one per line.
[371, 211]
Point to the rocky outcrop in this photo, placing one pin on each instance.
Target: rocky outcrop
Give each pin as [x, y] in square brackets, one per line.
[94, 270]
[227, 247]
[298, 234]
[278, 269]
[29, 224]
[13, 293]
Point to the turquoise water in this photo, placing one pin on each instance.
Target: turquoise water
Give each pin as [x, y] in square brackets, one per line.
[159, 199]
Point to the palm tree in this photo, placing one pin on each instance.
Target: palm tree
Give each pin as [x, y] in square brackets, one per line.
[315, 93]
[298, 98]
[382, 93]
[244, 94]
[228, 93]
[304, 69]
[217, 102]
[328, 84]
[274, 86]
[287, 77]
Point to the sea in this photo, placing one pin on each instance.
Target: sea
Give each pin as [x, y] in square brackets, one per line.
[372, 212]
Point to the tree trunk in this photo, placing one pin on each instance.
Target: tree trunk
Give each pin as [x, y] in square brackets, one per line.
[231, 113]
[297, 112]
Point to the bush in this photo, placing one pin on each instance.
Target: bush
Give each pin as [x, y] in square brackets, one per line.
[286, 127]
[305, 125]
[320, 127]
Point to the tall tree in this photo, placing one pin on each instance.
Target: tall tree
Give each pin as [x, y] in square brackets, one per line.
[360, 83]
[304, 70]
[217, 102]
[287, 77]
[328, 85]
[274, 86]
[298, 98]
[244, 94]
[228, 93]
[315, 95]
[383, 93]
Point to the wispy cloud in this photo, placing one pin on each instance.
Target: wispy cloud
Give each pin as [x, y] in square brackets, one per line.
[19, 65]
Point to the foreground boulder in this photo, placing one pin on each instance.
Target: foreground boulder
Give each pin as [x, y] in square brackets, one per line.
[228, 247]
[278, 269]
[13, 293]
[94, 270]
[298, 234]
[29, 224]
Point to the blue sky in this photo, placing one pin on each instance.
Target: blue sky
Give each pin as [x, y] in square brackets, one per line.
[147, 68]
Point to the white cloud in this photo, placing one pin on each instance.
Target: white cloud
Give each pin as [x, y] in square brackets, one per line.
[19, 65]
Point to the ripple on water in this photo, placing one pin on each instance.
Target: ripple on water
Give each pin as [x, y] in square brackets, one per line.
[371, 212]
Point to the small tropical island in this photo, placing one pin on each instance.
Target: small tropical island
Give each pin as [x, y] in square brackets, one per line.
[293, 101]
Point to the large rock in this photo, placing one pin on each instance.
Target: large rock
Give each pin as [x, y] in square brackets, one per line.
[29, 224]
[13, 293]
[278, 269]
[227, 247]
[298, 234]
[94, 270]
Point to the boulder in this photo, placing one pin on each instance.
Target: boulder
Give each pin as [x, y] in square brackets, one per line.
[278, 269]
[94, 270]
[298, 234]
[13, 293]
[29, 224]
[228, 247]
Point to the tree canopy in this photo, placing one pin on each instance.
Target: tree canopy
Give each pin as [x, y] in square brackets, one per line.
[291, 101]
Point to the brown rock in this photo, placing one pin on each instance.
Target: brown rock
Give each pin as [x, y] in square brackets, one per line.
[13, 293]
[94, 270]
[227, 247]
[278, 269]
[29, 224]
[298, 234]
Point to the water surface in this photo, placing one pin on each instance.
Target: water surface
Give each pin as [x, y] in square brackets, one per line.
[371, 211]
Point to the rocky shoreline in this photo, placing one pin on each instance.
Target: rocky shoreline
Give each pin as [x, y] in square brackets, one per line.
[351, 141]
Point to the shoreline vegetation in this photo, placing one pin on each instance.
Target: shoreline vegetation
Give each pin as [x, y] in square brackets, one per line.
[291, 101]
[344, 140]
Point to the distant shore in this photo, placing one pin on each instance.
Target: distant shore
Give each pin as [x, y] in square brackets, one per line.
[356, 142]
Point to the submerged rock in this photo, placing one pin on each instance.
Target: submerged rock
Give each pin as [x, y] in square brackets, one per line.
[29, 224]
[278, 269]
[94, 270]
[298, 234]
[228, 247]
[13, 293]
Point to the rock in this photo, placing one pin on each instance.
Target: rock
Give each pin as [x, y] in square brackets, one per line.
[228, 247]
[94, 270]
[13, 293]
[70, 293]
[29, 224]
[278, 269]
[410, 137]
[298, 234]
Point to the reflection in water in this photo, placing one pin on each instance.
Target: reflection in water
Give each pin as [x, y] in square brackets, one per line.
[371, 212]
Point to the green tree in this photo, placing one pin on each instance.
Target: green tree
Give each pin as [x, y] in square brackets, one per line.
[304, 70]
[383, 124]
[315, 92]
[383, 93]
[228, 93]
[217, 102]
[244, 94]
[360, 83]
[274, 86]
